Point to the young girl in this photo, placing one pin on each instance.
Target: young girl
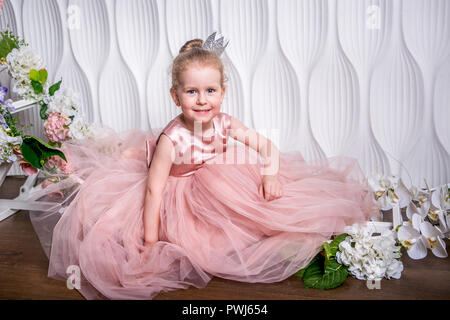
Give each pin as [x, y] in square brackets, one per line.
[146, 213]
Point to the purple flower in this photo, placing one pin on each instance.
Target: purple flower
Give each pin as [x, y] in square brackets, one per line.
[3, 91]
[3, 121]
[9, 106]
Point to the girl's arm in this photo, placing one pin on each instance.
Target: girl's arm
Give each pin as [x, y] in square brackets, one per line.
[271, 187]
[158, 174]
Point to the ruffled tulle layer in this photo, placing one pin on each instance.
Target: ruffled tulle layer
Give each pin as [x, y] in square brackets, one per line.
[212, 223]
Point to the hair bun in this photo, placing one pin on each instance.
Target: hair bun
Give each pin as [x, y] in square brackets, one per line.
[189, 45]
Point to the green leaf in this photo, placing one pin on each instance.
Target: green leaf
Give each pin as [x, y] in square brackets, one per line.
[54, 87]
[324, 272]
[35, 151]
[39, 76]
[43, 111]
[319, 277]
[302, 271]
[332, 248]
[37, 86]
[34, 75]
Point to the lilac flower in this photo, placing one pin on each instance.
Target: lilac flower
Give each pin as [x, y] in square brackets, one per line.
[9, 106]
[3, 91]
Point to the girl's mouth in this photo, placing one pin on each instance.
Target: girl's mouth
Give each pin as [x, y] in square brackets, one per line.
[202, 112]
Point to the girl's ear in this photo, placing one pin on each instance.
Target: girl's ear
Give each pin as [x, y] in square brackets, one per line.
[175, 99]
[223, 93]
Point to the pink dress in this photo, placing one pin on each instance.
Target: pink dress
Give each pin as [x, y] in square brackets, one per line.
[213, 221]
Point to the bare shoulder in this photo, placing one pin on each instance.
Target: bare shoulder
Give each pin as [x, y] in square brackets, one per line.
[164, 149]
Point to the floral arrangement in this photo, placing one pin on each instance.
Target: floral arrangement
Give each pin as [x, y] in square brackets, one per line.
[59, 108]
[364, 255]
[428, 223]
[370, 257]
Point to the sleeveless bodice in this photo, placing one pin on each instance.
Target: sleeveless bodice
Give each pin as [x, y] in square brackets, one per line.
[192, 151]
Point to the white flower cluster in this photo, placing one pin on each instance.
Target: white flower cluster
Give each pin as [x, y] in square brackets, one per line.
[6, 144]
[370, 257]
[65, 102]
[19, 62]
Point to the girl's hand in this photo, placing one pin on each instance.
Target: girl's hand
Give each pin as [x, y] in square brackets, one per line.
[270, 188]
[150, 244]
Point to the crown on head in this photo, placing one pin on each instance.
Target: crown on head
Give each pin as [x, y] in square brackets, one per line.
[218, 45]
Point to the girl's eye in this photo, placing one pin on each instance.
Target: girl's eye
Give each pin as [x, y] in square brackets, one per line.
[210, 90]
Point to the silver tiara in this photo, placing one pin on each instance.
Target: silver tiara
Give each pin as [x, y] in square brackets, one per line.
[217, 46]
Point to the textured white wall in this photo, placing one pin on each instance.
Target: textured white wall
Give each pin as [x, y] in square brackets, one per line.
[368, 79]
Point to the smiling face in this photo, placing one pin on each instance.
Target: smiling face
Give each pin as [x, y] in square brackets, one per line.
[199, 94]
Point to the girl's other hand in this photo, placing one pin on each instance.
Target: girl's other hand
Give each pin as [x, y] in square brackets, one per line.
[270, 188]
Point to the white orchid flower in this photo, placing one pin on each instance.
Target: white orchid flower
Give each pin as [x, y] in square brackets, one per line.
[439, 207]
[412, 240]
[434, 239]
[422, 210]
[390, 191]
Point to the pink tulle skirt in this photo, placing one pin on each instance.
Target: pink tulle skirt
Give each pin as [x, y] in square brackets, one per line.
[212, 223]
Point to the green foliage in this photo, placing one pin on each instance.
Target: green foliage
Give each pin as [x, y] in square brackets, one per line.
[42, 112]
[35, 151]
[39, 76]
[11, 123]
[324, 272]
[8, 42]
[37, 86]
[54, 87]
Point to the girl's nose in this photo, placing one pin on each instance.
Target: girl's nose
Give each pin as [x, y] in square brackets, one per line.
[201, 99]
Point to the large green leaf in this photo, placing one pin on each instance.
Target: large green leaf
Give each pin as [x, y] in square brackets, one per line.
[302, 271]
[35, 151]
[332, 248]
[319, 277]
[324, 272]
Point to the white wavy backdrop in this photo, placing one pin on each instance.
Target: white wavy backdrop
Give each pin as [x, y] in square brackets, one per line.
[363, 78]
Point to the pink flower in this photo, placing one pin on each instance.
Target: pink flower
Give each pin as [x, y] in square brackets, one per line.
[57, 127]
[58, 162]
[1, 5]
[26, 167]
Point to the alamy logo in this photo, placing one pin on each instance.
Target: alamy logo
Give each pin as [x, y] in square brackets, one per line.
[74, 279]
[373, 17]
[73, 17]
[373, 284]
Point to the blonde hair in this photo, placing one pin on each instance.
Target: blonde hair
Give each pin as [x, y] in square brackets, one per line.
[192, 52]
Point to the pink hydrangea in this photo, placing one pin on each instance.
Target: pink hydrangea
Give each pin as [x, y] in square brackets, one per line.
[57, 127]
[56, 161]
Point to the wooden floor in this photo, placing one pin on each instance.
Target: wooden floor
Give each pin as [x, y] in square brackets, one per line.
[23, 274]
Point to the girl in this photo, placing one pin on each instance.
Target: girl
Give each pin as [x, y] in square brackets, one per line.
[146, 213]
